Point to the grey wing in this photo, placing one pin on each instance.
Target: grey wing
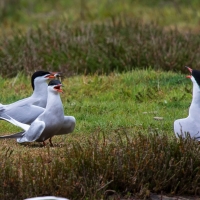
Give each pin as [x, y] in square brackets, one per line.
[68, 125]
[33, 133]
[37, 103]
[25, 114]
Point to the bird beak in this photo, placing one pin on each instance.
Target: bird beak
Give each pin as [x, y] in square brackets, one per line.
[58, 88]
[56, 74]
[190, 70]
[53, 75]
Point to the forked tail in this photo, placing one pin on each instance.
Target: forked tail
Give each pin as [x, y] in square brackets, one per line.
[25, 127]
[15, 135]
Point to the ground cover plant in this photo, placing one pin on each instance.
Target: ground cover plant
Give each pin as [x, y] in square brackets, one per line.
[119, 45]
[123, 144]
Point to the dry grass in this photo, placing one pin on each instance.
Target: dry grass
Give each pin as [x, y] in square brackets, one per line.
[101, 166]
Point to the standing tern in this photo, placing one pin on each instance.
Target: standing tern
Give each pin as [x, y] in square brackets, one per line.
[47, 198]
[191, 124]
[28, 109]
[51, 122]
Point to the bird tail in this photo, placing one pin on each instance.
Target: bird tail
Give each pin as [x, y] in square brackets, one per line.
[25, 127]
[15, 135]
[1, 108]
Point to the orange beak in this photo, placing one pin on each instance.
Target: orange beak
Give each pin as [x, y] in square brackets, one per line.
[190, 70]
[58, 88]
[53, 75]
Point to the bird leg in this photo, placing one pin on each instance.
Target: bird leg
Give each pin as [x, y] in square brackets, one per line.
[44, 143]
[51, 144]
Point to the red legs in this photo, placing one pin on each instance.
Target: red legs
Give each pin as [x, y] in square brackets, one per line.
[51, 144]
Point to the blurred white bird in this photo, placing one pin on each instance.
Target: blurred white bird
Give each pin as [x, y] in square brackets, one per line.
[47, 198]
[191, 124]
[51, 122]
[28, 109]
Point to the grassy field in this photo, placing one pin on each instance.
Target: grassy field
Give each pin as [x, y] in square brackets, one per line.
[119, 100]
[117, 58]
[110, 111]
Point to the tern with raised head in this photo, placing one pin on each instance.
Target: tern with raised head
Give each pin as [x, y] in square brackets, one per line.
[191, 124]
[51, 122]
[28, 109]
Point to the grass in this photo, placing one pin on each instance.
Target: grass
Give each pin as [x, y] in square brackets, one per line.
[129, 35]
[121, 45]
[25, 14]
[115, 122]
[114, 100]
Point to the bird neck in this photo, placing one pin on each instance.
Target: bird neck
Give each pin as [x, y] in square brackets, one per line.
[53, 100]
[195, 104]
[40, 90]
[196, 94]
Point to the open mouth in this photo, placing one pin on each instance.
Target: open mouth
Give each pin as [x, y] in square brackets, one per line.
[58, 88]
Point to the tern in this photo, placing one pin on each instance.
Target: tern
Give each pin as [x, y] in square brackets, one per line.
[51, 122]
[47, 198]
[191, 124]
[28, 109]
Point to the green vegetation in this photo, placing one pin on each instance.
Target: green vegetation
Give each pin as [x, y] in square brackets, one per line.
[90, 43]
[117, 148]
[117, 58]
[118, 100]
[168, 13]
[120, 45]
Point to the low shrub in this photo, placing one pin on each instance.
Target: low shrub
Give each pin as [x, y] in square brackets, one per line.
[101, 166]
[120, 45]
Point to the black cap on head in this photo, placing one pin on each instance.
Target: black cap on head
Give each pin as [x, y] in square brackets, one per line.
[196, 75]
[54, 82]
[37, 74]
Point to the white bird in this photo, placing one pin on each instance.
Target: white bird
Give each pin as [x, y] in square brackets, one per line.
[191, 124]
[51, 122]
[28, 109]
[47, 198]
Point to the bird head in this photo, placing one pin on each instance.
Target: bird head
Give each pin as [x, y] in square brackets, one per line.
[55, 85]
